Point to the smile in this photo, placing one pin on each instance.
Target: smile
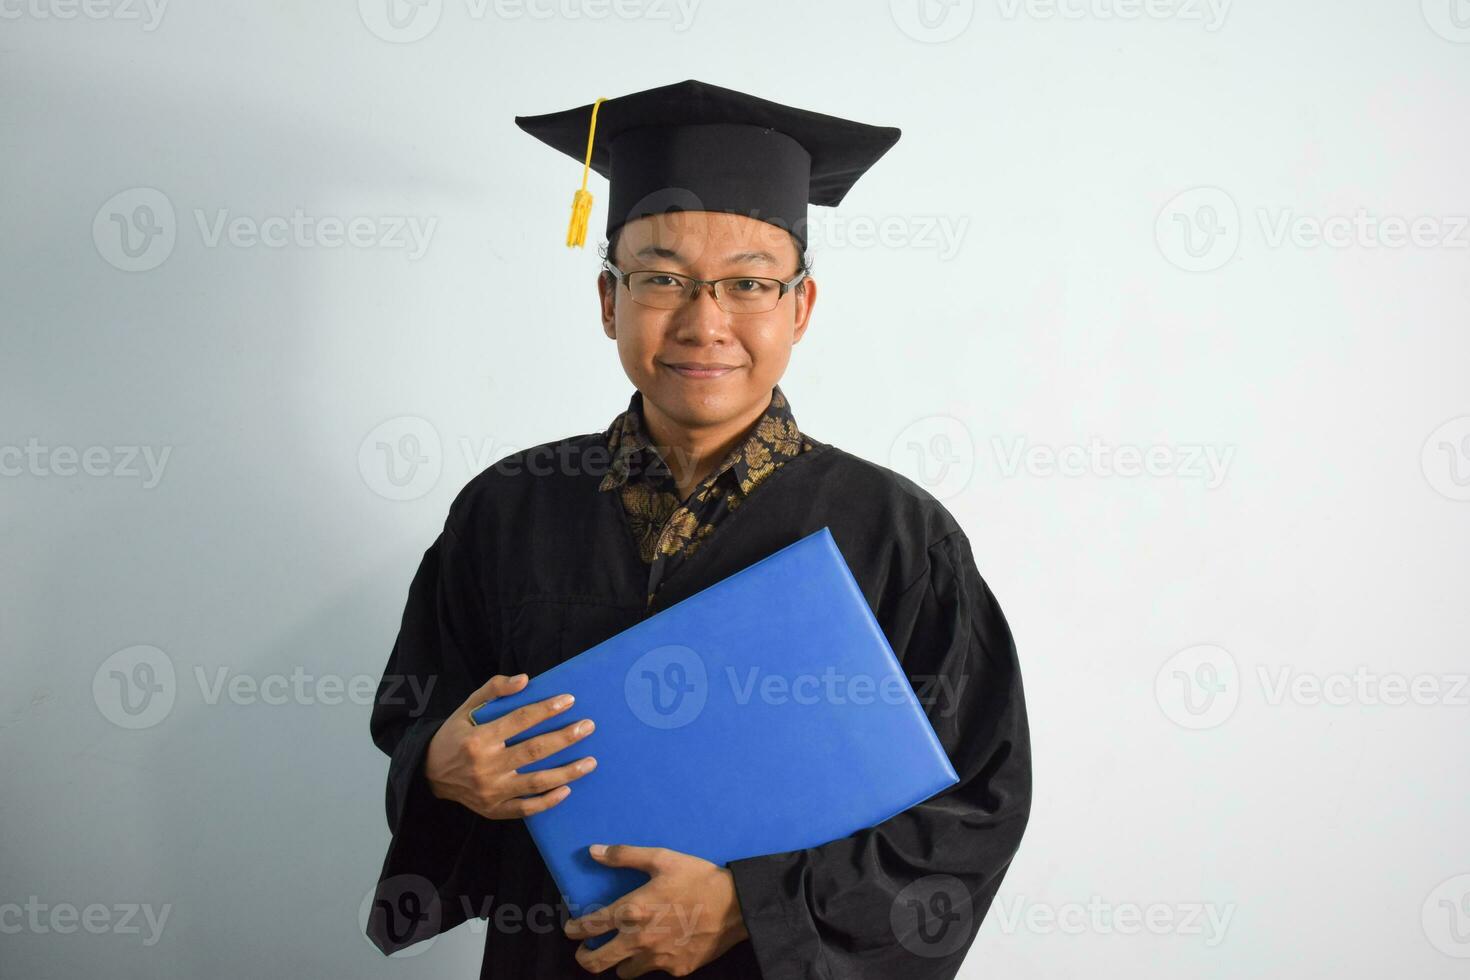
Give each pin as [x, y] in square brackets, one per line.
[693, 371]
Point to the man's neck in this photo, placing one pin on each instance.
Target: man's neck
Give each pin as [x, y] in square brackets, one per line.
[692, 454]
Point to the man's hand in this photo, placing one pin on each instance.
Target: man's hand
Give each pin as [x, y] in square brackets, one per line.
[685, 917]
[472, 765]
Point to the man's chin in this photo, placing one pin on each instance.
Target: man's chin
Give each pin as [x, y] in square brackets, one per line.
[699, 409]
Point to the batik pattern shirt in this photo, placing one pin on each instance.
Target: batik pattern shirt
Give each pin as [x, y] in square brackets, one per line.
[668, 529]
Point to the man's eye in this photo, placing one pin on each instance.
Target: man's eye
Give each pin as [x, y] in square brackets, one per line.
[664, 281]
[749, 285]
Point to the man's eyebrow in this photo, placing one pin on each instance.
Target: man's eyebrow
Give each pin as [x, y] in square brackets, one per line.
[764, 257]
[658, 251]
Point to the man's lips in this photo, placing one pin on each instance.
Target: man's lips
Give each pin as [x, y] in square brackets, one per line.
[699, 369]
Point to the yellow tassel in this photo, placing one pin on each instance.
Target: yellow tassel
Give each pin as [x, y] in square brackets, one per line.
[581, 209]
[582, 200]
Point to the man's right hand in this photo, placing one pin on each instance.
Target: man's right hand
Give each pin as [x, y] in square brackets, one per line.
[471, 764]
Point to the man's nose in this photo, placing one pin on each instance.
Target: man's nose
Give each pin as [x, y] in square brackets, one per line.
[701, 316]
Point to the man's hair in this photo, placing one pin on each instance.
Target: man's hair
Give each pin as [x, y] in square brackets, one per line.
[609, 248]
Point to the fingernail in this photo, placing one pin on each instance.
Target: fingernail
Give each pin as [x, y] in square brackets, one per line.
[587, 765]
[519, 677]
[563, 701]
[598, 850]
[583, 727]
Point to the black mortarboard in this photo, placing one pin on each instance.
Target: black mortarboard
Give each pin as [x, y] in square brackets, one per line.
[692, 146]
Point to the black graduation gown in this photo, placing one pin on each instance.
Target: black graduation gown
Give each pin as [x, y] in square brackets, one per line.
[535, 565]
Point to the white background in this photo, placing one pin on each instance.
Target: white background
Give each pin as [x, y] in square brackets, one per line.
[1130, 193]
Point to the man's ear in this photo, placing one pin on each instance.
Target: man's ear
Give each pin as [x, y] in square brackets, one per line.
[607, 291]
[806, 298]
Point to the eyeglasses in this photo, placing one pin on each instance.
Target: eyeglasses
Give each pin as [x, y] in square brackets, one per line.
[734, 294]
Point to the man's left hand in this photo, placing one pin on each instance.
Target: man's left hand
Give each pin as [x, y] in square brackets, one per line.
[686, 916]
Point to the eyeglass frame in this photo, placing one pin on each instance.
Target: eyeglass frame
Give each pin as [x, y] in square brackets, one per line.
[785, 286]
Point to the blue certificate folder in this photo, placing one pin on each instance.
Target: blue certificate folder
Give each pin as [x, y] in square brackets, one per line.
[765, 713]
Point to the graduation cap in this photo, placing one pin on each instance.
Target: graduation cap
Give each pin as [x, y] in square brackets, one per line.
[692, 146]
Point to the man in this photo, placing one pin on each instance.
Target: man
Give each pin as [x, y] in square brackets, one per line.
[705, 290]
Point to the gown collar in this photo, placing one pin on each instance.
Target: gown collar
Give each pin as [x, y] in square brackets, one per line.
[773, 439]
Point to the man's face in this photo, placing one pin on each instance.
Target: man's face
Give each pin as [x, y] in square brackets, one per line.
[751, 349]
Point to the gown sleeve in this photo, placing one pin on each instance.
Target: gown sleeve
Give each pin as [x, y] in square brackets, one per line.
[906, 898]
[441, 854]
